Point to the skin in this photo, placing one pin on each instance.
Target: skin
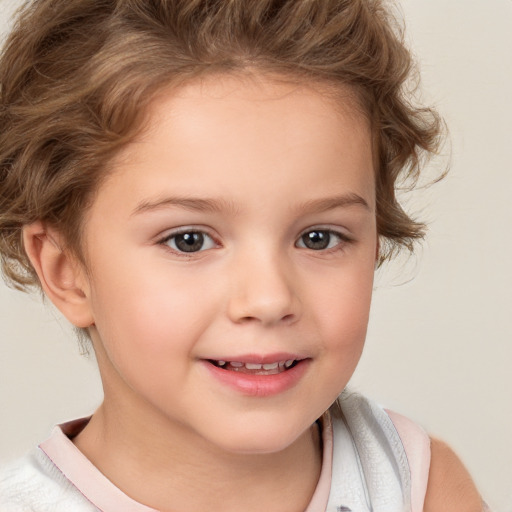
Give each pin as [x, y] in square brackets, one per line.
[254, 165]
[450, 487]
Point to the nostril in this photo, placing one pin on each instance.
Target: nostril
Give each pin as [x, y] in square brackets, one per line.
[256, 297]
[287, 318]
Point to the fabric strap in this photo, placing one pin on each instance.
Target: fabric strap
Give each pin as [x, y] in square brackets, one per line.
[370, 470]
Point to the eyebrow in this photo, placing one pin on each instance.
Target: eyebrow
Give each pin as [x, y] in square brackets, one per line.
[330, 203]
[188, 203]
[219, 205]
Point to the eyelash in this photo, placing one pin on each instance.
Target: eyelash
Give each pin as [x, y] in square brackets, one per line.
[343, 240]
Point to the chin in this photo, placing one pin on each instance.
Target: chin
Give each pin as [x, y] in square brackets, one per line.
[257, 439]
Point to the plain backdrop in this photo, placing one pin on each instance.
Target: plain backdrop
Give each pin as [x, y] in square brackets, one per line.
[439, 345]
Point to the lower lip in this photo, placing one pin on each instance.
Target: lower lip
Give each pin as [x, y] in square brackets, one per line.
[259, 385]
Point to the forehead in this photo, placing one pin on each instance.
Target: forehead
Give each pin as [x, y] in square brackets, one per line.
[255, 90]
[221, 133]
[259, 100]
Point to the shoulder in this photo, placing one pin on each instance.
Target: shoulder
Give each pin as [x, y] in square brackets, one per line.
[450, 487]
[439, 479]
[34, 483]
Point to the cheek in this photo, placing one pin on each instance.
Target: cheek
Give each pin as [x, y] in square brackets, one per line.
[154, 311]
[147, 335]
[343, 311]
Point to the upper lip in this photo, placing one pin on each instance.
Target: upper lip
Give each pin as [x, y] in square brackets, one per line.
[260, 358]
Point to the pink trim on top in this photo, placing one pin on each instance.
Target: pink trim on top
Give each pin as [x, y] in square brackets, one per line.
[86, 477]
[417, 448]
[320, 497]
[105, 496]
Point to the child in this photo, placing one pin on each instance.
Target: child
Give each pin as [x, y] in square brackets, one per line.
[204, 189]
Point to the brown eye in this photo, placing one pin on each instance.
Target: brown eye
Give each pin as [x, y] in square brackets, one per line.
[191, 241]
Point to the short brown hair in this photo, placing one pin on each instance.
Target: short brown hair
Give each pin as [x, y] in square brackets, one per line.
[76, 76]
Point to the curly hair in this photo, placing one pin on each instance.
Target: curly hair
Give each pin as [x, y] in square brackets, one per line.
[77, 75]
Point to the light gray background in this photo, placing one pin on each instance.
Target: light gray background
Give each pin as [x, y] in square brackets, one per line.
[439, 346]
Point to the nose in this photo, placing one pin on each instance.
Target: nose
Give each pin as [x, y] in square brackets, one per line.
[263, 290]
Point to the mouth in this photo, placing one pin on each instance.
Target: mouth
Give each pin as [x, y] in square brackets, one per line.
[259, 375]
[271, 368]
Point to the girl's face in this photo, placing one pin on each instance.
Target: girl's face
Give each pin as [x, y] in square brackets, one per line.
[231, 256]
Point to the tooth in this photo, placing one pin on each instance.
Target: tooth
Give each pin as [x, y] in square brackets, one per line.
[270, 366]
[236, 364]
[281, 364]
[289, 363]
[221, 363]
[251, 366]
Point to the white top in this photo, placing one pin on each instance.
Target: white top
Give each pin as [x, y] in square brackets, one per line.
[373, 461]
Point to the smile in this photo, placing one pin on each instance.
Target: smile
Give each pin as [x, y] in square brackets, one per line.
[256, 368]
[259, 376]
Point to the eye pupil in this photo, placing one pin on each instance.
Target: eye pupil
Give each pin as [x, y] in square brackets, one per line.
[189, 242]
[317, 240]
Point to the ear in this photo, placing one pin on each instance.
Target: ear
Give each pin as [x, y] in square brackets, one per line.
[62, 277]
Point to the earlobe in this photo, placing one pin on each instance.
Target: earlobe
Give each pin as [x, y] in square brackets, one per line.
[60, 275]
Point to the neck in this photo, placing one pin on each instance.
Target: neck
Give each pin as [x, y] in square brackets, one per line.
[158, 463]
